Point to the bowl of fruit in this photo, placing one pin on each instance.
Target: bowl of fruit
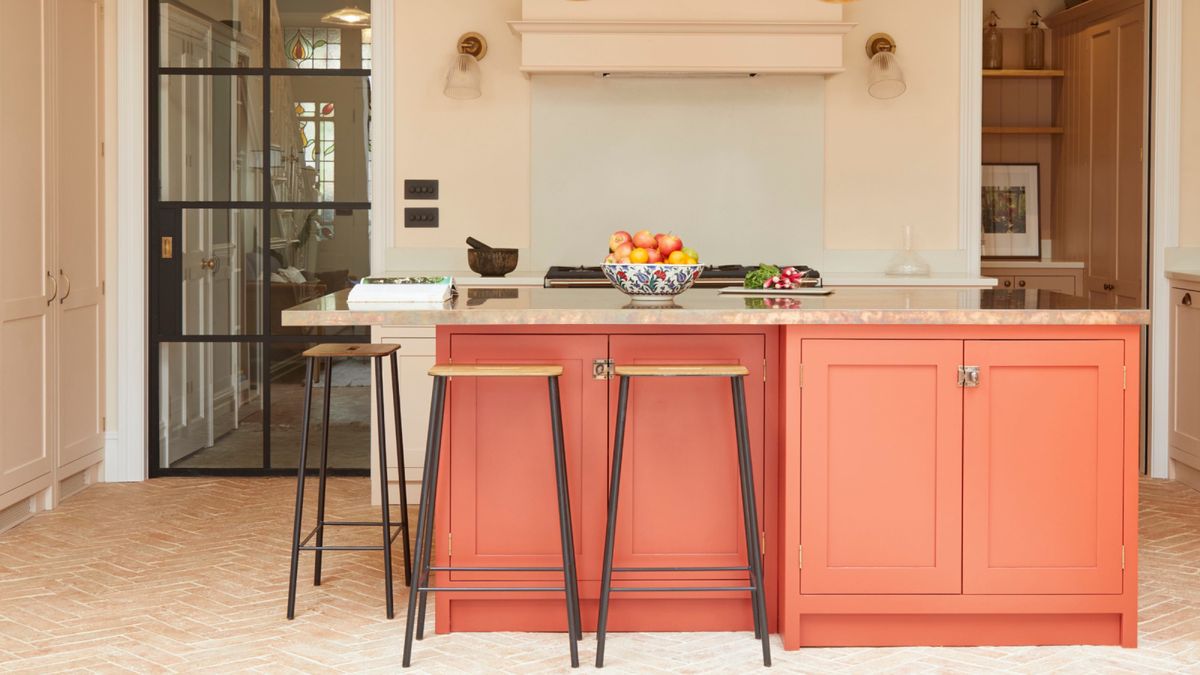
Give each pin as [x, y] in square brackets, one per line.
[651, 268]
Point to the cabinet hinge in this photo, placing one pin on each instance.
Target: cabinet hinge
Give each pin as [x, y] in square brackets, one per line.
[1124, 377]
[762, 544]
[968, 377]
[1122, 556]
[103, 287]
[602, 369]
[103, 424]
[800, 557]
[449, 543]
[101, 148]
[764, 370]
[800, 378]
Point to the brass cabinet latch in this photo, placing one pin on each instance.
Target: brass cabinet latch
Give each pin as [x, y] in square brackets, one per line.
[968, 377]
[602, 369]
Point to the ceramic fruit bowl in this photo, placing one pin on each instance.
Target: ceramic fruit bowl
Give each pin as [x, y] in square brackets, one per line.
[652, 283]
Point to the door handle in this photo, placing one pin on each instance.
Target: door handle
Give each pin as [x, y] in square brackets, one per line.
[55, 294]
[1187, 299]
[210, 264]
[68, 293]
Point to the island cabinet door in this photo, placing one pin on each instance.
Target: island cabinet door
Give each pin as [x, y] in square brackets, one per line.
[881, 467]
[502, 501]
[1042, 492]
[680, 501]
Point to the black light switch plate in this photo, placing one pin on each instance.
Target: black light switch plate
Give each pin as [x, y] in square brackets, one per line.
[420, 217]
[420, 189]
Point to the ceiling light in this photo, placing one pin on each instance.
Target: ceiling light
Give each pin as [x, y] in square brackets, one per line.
[350, 15]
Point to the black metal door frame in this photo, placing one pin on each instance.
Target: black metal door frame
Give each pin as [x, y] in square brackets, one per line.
[162, 214]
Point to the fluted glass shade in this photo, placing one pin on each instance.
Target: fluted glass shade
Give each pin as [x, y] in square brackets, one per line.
[886, 79]
[464, 80]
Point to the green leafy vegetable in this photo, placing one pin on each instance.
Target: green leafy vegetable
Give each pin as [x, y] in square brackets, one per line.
[758, 277]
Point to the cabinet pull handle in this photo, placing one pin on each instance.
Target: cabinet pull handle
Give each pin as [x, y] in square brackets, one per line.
[1021, 283]
[68, 293]
[1110, 287]
[55, 294]
[1008, 284]
[1187, 299]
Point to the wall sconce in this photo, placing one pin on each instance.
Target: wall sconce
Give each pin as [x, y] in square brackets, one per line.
[464, 81]
[886, 78]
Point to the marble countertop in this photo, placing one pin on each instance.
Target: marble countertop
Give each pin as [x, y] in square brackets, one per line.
[606, 306]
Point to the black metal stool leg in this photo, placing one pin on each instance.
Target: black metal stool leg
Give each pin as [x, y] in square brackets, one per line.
[610, 531]
[424, 521]
[383, 488]
[564, 522]
[400, 467]
[556, 411]
[295, 567]
[754, 551]
[328, 363]
[430, 514]
[745, 488]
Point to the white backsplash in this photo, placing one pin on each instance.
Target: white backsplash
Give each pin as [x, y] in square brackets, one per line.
[733, 165]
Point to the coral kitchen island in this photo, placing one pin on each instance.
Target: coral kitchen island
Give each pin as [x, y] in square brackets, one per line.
[933, 466]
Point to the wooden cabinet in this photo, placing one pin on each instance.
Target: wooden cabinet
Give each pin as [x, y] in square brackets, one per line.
[1184, 418]
[1042, 467]
[418, 353]
[958, 485]
[1068, 280]
[680, 497]
[51, 254]
[881, 479]
[501, 498]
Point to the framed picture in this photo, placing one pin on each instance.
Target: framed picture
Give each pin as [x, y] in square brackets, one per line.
[1010, 211]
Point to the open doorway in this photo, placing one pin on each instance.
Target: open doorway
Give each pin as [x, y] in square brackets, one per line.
[1066, 129]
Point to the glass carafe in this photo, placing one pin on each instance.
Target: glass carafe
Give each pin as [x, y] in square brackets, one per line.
[1035, 43]
[993, 44]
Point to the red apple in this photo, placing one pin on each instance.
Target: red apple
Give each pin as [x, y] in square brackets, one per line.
[622, 252]
[618, 238]
[668, 244]
[644, 239]
[654, 256]
[612, 258]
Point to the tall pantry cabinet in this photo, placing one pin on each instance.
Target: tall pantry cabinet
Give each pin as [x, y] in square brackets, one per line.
[51, 253]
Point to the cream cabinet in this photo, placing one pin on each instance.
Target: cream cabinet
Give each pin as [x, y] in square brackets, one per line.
[1184, 437]
[418, 353]
[51, 253]
[1045, 276]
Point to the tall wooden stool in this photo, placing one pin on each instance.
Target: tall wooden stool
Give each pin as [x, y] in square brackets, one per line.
[420, 590]
[326, 353]
[754, 566]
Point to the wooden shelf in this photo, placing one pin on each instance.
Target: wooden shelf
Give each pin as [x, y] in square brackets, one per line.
[1023, 131]
[1015, 73]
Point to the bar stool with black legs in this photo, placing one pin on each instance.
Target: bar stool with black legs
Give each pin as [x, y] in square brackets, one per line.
[425, 522]
[325, 354]
[754, 566]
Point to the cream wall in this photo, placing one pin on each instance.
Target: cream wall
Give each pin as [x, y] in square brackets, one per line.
[1189, 214]
[478, 149]
[895, 163]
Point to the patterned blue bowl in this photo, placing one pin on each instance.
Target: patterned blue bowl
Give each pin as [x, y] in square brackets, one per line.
[652, 283]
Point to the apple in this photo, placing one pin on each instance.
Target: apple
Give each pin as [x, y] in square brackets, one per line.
[644, 239]
[612, 258]
[654, 256]
[622, 252]
[691, 253]
[618, 238]
[669, 243]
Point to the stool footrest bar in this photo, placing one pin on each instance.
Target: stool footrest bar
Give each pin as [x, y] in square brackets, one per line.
[681, 569]
[495, 569]
[714, 589]
[341, 548]
[490, 589]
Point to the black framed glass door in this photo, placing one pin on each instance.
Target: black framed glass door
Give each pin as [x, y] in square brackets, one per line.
[259, 164]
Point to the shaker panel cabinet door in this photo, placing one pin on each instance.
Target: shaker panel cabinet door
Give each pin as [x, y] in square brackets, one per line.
[680, 501]
[881, 467]
[1042, 460]
[503, 504]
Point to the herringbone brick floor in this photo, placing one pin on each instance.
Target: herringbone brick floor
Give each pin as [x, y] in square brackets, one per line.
[191, 575]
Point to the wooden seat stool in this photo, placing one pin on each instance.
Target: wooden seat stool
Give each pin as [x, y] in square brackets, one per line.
[421, 588]
[326, 353]
[754, 566]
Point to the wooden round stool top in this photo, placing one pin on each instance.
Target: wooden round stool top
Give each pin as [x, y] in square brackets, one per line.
[490, 370]
[716, 370]
[350, 349]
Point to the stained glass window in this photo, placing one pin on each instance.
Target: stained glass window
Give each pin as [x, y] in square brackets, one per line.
[314, 48]
[316, 122]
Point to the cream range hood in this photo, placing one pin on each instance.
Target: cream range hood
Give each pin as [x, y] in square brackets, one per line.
[681, 37]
